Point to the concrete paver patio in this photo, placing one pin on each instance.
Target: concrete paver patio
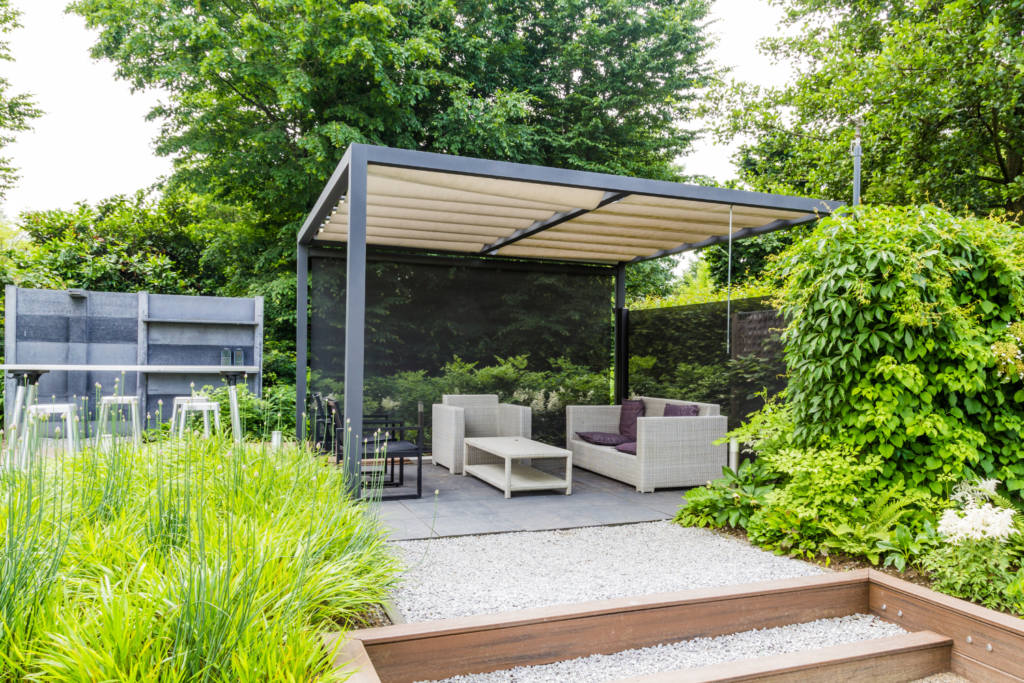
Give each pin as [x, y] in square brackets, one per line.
[466, 505]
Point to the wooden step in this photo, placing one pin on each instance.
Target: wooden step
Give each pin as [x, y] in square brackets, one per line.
[898, 659]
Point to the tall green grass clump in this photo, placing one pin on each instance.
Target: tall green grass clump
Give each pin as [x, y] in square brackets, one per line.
[191, 560]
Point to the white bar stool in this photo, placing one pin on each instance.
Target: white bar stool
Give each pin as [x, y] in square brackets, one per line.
[35, 418]
[196, 405]
[106, 402]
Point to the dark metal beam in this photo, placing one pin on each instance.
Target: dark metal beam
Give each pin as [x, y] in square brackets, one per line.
[446, 163]
[355, 318]
[737, 235]
[329, 198]
[557, 219]
[527, 265]
[301, 332]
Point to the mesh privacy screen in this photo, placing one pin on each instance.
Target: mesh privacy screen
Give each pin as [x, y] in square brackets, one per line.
[680, 352]
[542, 339]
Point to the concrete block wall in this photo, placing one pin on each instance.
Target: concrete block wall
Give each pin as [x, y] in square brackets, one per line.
[56, 327]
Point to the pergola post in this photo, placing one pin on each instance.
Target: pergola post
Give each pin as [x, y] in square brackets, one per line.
[302, 328]
[621, 389]
[355, 316]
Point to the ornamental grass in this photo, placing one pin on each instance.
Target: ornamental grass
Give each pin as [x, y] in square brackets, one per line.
[190, 560]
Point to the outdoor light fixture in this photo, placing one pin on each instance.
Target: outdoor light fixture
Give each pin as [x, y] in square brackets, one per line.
[225, 356]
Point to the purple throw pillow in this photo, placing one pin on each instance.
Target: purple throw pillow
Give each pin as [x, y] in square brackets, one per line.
[602, 438]
[673, 410]
[627, 448]
[631, 410]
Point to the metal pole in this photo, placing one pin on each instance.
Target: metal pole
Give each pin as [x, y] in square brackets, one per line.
[728, 295]
[856, 149]
[301, 331]
[355, 316]
[620, 390]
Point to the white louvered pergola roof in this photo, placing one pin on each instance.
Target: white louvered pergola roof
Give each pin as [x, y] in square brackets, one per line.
[420, 202]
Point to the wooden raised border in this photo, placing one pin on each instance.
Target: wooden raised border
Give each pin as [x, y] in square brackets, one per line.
[939, 624]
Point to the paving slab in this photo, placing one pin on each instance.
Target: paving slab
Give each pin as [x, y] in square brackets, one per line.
[454, 505]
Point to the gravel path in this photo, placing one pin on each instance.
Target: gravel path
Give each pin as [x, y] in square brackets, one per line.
[468, 575]
[696, 652]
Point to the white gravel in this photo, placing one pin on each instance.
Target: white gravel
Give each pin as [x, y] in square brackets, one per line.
[696, 652]
[469, 575]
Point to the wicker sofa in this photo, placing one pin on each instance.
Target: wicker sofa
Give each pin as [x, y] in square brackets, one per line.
[670, 451]
[458, 417]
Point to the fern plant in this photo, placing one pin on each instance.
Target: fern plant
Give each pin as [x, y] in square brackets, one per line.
[863, 539]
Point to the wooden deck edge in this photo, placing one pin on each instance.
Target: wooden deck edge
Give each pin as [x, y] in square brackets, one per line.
[989, 645]
[351, 658]
[979, 672]
[544, 615]
[897, 659]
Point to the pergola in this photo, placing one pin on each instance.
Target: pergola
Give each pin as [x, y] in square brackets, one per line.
[409, 204]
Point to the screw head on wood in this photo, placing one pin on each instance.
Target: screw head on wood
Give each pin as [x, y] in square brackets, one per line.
[883, 608]
[969, 639]
[899, 613]
[989, 648]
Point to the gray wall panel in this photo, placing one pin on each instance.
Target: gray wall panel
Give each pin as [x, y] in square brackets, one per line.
[111, 354]
[113, 305]
[45, 328]
[193, 355]
[43, 302]
[170, 307]
[200, 335]
[38, 352]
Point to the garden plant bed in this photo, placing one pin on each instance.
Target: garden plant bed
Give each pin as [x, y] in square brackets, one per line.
[944, 635]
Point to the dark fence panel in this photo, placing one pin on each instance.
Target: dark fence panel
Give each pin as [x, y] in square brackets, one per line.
[542, 339]
[681, 352]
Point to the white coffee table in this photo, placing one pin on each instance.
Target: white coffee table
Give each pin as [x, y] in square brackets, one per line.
[492, 459]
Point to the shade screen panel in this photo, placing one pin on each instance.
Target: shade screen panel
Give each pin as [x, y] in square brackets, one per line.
[542, 339]
[680, 352]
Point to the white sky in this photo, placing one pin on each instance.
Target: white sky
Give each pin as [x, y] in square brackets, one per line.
[93, 140]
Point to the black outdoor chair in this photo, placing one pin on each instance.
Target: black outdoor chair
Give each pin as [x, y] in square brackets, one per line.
[398, 441]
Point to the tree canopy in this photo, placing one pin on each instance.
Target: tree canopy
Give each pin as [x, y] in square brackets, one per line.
[940, 87]
[15, 110]
[265, 97]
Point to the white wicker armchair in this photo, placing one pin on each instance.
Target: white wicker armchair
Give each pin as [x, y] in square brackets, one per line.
[670, 451]
[461, 417]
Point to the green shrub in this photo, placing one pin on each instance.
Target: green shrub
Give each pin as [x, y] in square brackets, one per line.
[974, 570]
[895, 314]
[183, 561]
[729, 501]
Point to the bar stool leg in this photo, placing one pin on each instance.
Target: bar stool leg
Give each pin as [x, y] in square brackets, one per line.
[216, 419]
[136, 423]
[236, 422]
[182, 417]
[206, 423]
[17, 423]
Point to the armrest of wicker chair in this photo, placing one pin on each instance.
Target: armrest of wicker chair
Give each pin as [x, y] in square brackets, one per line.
[591, 419]
[448, 432]
[515, 420]
[680, 451]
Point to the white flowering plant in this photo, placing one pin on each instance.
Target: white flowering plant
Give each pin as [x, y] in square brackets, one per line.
[974, 560]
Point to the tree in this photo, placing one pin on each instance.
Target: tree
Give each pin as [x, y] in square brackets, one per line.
[15, 110]
[650, 278]
[265, 97]
[939, 84]
[749, 256]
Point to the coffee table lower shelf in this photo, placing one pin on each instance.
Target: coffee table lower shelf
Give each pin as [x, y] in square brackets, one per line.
[524, 478]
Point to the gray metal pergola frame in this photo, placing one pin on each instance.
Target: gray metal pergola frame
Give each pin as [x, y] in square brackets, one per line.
[349, 180]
